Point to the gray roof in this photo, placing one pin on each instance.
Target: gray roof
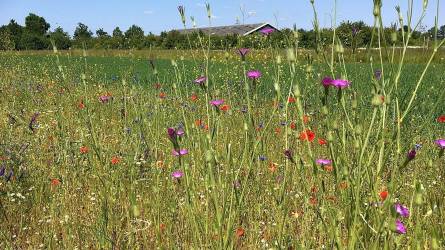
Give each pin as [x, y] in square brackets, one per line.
[244, 29]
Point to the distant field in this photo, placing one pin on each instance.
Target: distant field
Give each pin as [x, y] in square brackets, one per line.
[414, 55]
[86, 140]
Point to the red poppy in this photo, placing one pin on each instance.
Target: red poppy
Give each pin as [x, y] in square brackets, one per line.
[198, 123]
[441, 119]
[322, 141]
[272, 167]
[277, 130]
[328, 168]
[307, 135]
[162, 95]
[115, 160]
[225, 108]
[55, 182]
[291, 99]
[194, 97]
[292, 125]
[81, 105]
[306, 119]
[162, 227]
[240, 232]
[313, 200]
[383, 195]
[84, 150]
[314, 189]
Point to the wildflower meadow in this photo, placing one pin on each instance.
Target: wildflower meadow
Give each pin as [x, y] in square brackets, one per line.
[272, 148]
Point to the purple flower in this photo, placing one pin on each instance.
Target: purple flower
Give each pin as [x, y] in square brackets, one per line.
[411, 155]
[236, 184]
[289, 155]
[243, 52]
[378, 74]
[327, 81]
[2, 171]
[33, 121]
[9, 176]
[181, 152]
[323, 162]
[216, 103]
[441, 143]
[254, 74]
[262, 158]
[200, 80]
[173, 133]
[177, 174]
[340, 83]
[402, 210]
[267, 31]
[355, 31]
[400, 228]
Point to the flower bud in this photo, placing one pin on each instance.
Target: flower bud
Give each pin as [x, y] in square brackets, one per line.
[377, 100]
[394, 37]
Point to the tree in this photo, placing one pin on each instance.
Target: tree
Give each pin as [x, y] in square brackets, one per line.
[100, 33]
[36, 24]
[15, 31]
[103, 39]
[6, 41]
[117, 41]
[82, 36]
[34, 35]
[61, 38]
[134, 37]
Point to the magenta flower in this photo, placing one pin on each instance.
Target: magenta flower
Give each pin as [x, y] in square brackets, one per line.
[216, 103]
[200, 80]
[411, 154]
[173, 133]
[400, 228]
[340, 83]
[177, 174]
[402, 210]
[441, 143]
[323, 162]
[180, 152]
[267, 31]
[327, 81]
[254, 74]
[104, 98]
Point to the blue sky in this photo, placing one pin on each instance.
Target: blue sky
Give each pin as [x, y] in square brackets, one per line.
[159, 15]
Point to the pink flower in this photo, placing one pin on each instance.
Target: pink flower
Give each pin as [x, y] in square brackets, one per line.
[323, 162]
[200, 80]
[177, 174]
[400, 228]
[402, 210]
[267, 31]
[340, 83]
[216, 103]
[180, 152]
[441, 143]
[254, 74]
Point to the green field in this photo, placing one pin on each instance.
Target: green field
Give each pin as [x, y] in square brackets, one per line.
[81, 172]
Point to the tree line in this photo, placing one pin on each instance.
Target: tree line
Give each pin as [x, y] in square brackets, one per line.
[36, 35]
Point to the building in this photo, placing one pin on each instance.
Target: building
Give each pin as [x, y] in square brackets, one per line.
[241, 30]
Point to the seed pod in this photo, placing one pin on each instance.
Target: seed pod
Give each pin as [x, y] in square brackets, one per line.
[330, 136]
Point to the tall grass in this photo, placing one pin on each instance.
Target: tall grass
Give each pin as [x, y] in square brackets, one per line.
[93, 148]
